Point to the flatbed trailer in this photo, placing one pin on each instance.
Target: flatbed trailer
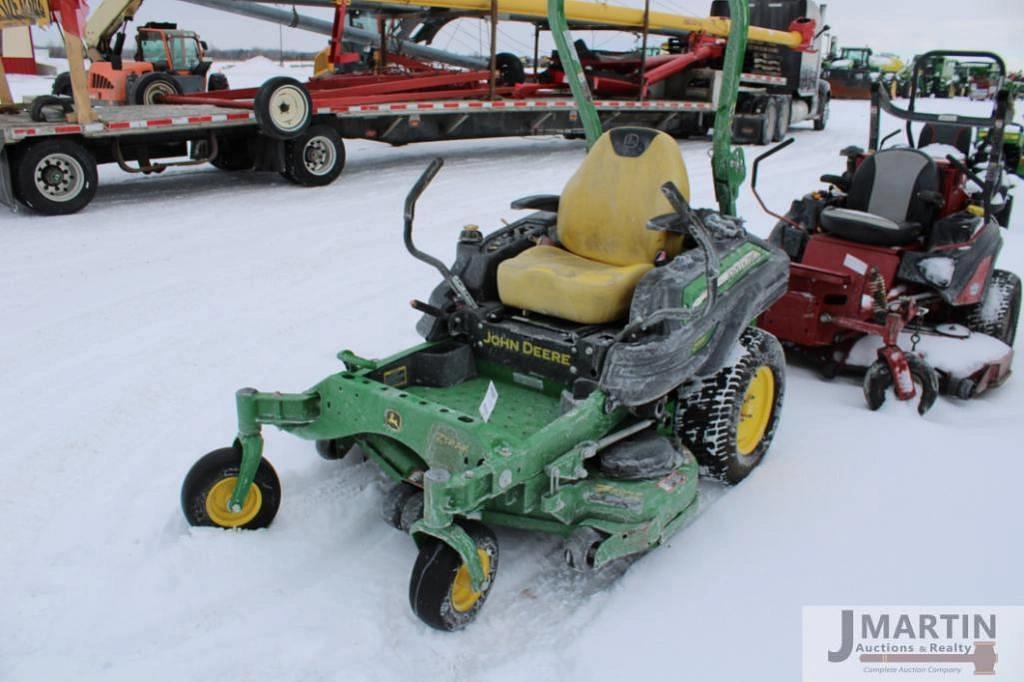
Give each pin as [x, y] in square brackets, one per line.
[51, 166]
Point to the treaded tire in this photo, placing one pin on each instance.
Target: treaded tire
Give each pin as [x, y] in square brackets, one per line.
[999, 309]
[213, 469]
[708, 420]
[217, 81]
[878, 381]
[821, 122]
[62, 85]
[233, 154]
[54, 177]
[435, 572]
[770, 123]
[315, 158]
[283, 108]
[510, 69]
[152, 85]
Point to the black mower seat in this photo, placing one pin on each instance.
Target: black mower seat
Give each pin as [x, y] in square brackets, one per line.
[946, 133]
[868, 228]
[891, 200]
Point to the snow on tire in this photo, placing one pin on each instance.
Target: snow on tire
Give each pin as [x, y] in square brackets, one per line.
[999, 309]
[729, 422]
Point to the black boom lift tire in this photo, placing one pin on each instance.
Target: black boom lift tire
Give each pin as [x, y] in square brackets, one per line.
[709, 420]
[999, 309]
[154, 85]
[54, 177]
[62, 85]
[315, 158]
[439, 589]
[210, 482]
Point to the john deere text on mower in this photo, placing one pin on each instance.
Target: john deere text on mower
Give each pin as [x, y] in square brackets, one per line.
[893, 266]
[580, 366]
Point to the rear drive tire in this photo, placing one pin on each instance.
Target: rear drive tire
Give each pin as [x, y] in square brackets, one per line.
[730, 421]
[55, 177]
[999, 309]
[315, 158]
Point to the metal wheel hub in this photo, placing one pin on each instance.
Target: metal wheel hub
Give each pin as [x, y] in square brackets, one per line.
[319, 155]
[288, 108]
[59, 177]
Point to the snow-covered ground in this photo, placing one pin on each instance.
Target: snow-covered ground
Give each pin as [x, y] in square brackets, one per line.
[127, 328]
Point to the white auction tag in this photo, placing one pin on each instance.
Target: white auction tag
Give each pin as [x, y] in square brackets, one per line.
[489, 401]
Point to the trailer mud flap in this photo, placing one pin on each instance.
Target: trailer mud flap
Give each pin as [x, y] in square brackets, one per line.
[6, 190]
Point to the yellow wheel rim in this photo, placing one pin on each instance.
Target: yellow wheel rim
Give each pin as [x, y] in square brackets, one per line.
[217, 504]
[464, 597]
[756, 411]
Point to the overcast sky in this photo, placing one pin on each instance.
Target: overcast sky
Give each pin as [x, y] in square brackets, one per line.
[905, 27]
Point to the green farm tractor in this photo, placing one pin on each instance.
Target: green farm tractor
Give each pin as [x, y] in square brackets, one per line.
[581, 368]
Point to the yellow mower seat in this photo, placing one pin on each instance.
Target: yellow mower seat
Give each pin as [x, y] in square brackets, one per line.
[602, 227]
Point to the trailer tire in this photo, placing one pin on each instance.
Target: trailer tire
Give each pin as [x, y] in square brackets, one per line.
[62, 85]
[283, 108]
[510, 69]
[769, 122]
[153, 86]
[55, 177]
[315, 158]
[727, 442]
[822, 119]
[782, 124]
[233, 154]
[439, 590]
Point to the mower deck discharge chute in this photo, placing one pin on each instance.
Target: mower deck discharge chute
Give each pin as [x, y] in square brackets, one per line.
[580, 367]
[893, 266]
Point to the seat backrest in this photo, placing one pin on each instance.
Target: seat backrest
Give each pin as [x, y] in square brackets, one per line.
[604, 208]
[887, 183]
[946, 133]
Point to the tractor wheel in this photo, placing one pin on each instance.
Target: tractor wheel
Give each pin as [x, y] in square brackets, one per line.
[769, 123]
[315, 158]
[510, 69]
[62, 85]
[283, 108]
[210, 482]
[782, 124]
[878, 380]
[55, 177]
[731, 419]
[822, 121]
[440, 591]
[999, 309]
[153, 86]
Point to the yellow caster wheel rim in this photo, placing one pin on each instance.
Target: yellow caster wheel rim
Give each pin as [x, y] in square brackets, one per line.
[464, 597]
[217, 504]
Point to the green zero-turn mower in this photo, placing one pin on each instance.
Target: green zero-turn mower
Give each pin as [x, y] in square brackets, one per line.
[581, 366]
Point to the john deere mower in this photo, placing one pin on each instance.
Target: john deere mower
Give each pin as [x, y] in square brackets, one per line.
[581, 366]
[893, 266]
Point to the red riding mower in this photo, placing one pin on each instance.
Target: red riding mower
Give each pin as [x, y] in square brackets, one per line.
[893, 266]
